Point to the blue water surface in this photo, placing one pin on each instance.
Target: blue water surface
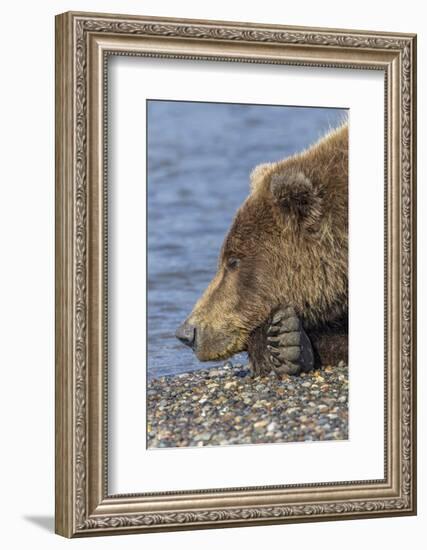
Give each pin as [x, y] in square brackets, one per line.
[200, 156]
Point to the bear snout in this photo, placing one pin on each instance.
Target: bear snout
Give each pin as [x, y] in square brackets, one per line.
[186, 333]
[207, 343]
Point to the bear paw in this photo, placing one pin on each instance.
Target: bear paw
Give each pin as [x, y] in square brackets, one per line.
[280, 345]
[288, 346]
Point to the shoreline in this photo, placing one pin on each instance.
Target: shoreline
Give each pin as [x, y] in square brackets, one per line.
[225, 405]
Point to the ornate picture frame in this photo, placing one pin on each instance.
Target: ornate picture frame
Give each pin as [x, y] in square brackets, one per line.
[84, 42]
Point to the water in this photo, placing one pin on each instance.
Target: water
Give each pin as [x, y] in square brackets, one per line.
[199, 159]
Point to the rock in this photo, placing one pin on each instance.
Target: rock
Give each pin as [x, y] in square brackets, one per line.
[214, 373]
[242, 373]
[260, 404]
[260, 424]
[202, 437]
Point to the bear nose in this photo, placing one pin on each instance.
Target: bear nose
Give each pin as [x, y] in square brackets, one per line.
[186, 333]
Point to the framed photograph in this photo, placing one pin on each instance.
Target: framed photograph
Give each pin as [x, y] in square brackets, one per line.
[235, 274]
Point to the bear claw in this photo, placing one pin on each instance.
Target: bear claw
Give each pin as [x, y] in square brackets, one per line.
[290, 345]
[285, 339]
[287, 348]
[287, 368]
[281, 345]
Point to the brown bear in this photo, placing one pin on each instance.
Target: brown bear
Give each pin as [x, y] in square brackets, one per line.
[281, 288]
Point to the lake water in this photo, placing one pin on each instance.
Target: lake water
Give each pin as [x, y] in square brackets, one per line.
[200, 156]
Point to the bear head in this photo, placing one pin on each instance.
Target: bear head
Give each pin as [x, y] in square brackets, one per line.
[286, 245]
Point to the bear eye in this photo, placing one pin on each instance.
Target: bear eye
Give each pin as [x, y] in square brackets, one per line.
[233, 263]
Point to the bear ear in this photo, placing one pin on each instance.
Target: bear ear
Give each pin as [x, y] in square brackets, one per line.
[258, 174]
[299, 200]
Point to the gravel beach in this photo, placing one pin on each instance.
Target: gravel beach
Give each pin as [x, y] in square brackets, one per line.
[226, 406]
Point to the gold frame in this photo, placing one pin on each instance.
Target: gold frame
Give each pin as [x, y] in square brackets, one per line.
[83, 43]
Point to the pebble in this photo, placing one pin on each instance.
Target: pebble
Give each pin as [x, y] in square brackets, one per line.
[260, 424]
[225, 405]
[202, 437]
[214, 373]
[242, 373]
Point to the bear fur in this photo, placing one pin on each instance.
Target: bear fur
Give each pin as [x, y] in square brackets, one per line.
[288, 245]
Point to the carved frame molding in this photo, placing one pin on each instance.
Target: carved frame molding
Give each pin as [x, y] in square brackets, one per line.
[83, 43]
